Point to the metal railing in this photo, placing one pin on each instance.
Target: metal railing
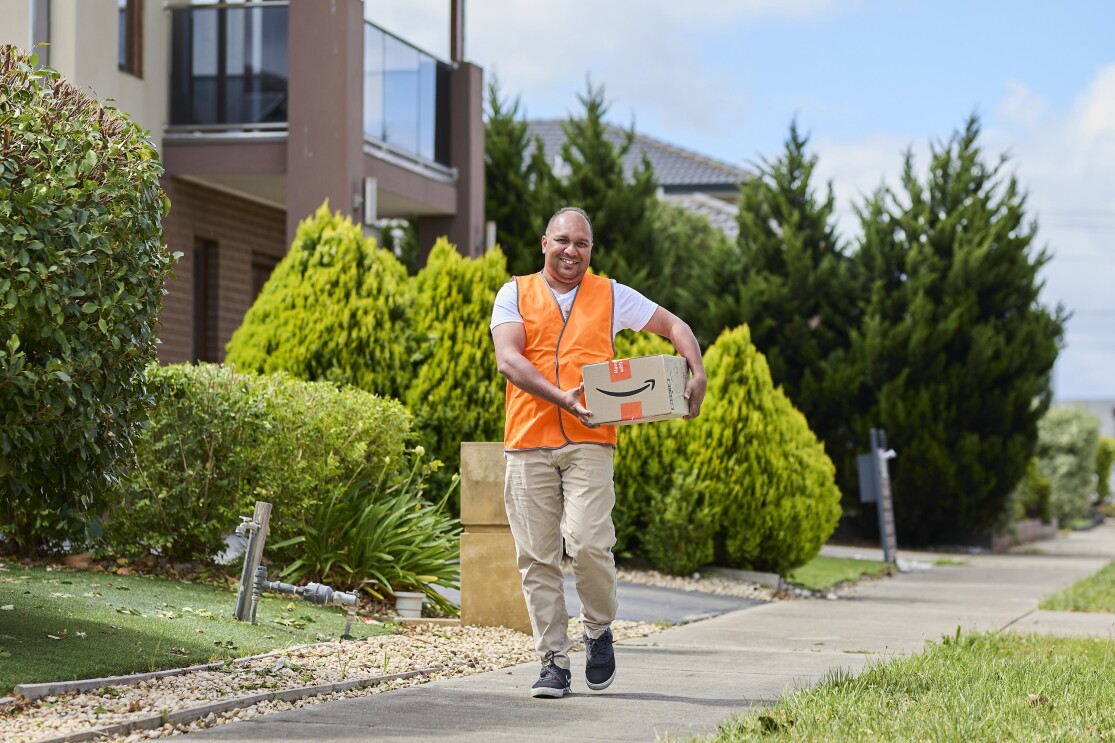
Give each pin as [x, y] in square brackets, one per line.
[406, 96]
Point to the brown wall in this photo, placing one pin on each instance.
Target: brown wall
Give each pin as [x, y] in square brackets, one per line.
[239, 227]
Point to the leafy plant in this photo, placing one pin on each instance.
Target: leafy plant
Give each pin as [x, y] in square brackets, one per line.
[82, 269]
[772, 483]
[220, 440]
[1105, 456]
[1066, 454]
[379, 535]
[335, 309]
[681, 525]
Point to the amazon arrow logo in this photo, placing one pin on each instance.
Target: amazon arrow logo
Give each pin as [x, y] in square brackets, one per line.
[648, 386]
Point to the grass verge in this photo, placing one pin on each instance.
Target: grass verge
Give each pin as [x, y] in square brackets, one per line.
[825, 572]
[987, 687]
[1094, 593]
[66, 625]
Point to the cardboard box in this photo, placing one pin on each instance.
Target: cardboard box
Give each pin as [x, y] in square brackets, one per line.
[638, 390]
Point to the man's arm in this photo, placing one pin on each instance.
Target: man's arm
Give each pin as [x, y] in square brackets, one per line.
[674, 329]
[510, 339]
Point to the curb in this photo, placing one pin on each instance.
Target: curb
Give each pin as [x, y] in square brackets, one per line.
[191, 714]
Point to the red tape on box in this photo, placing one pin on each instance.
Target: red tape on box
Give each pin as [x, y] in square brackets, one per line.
[619, 370]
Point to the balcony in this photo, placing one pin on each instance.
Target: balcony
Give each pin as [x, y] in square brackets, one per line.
[229, 73]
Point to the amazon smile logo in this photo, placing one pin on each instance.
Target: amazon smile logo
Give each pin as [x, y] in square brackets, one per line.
[648, 386]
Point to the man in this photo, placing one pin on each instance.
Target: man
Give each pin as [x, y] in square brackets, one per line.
[558, 483]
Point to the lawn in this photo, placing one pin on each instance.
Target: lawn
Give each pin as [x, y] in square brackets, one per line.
[65, 625]
[1094, 593]
[987, 687]
[825, 572]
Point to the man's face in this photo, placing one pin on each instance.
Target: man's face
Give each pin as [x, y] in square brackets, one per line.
[567, 246]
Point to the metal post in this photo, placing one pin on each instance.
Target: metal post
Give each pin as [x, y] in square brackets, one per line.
[885, 505]
[253, 554]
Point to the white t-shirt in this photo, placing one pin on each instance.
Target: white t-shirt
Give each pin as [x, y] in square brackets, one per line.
[630, 309]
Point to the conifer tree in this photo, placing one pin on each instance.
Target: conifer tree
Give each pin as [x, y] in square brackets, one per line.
[956, 347]
[334, 309]
[619, 204]
[519, 189]
[794, 288]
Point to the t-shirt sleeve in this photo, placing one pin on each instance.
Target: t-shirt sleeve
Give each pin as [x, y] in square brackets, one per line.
[633, 310]
[506, 307]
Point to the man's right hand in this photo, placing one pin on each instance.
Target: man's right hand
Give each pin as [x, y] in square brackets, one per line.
[571, 403]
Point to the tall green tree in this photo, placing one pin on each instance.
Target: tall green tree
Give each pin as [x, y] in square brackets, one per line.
[519, 184]
[956, 348]
[794, 288]
[620, 204]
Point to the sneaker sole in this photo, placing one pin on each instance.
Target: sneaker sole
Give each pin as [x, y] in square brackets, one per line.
[548, 693]
[604, 685]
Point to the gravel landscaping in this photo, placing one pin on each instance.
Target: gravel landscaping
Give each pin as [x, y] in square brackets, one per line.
[433, 650]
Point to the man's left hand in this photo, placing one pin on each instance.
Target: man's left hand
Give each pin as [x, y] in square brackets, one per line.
[695, 394]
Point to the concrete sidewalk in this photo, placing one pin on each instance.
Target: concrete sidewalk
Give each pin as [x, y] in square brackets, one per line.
[687, 679]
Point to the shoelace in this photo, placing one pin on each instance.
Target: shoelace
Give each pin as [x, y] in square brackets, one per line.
[599, 644]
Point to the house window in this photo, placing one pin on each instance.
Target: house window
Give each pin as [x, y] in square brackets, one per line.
[205, 300]
[129, 50]
[262, 266]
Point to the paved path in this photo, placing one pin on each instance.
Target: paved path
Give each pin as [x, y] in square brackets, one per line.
[687, 679]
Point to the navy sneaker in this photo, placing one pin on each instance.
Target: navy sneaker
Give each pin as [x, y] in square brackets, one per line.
[600, 661]
[552, 681]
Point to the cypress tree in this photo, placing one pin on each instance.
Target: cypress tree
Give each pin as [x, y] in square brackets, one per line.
[620, 205]
[794, 288]
[519, 194]
[956, 348]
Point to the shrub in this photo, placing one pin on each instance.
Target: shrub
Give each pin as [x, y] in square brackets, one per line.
[1066, 453]
[1105, 456]
[335, 309]
[221, 440]
[81, 245]
[455, 392]
[1031, 497]
[647, 456]
[770, 480]
[681, 524]
[379, 535]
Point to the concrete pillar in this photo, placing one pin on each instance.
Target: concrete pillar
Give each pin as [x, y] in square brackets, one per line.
[491, 587]
[325, 143]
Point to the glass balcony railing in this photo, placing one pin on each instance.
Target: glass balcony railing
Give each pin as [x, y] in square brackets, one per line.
[406, 96]
[229, 66]
[228, 70]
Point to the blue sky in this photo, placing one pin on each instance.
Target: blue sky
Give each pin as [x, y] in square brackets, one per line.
[867, 79]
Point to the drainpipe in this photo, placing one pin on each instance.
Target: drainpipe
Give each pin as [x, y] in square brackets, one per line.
[40, 28]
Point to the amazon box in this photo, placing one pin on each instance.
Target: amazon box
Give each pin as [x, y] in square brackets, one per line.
[638, 390]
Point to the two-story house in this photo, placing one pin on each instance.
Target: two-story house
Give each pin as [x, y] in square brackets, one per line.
[262, 109]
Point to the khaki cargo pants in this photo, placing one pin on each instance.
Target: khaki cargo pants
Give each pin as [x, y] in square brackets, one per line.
[556, 494]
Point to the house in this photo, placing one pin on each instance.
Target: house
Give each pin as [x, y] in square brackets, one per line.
[260, 110]
[698, 183]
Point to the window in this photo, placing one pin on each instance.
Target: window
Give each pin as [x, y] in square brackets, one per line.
[262, 266]
[129, 50]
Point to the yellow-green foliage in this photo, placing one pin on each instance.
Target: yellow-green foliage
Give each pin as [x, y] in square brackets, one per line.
[766, 471]
[646, 454]
[334, 309]
[456, 393]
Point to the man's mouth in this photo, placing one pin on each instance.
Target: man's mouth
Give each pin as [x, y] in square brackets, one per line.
[568, 262]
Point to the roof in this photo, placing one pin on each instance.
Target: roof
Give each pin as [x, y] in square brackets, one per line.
[677, 170]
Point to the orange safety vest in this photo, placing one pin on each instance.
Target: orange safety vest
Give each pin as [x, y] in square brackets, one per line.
[558, 348]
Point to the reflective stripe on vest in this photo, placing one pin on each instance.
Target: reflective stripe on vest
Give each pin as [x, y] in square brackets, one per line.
[558, 348]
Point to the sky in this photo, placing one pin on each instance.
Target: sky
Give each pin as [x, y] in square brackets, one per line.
[867, 80]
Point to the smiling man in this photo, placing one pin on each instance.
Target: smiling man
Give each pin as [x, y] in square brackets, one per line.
[558, 486]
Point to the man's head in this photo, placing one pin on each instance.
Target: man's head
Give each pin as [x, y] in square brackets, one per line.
[567, 246]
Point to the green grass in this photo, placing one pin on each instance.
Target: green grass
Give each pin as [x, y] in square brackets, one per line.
[67, 625]
[1094, 593]
[981, 687]
[825, 572]
[948, 562]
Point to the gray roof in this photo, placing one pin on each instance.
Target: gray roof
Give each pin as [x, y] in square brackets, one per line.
[677, 170]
